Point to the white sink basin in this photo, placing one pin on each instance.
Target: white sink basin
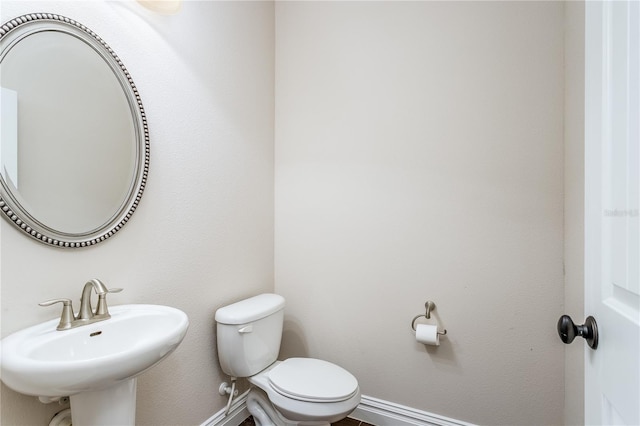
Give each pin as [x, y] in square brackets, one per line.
[42, 361]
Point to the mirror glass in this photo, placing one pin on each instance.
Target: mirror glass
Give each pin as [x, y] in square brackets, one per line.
[74, 145]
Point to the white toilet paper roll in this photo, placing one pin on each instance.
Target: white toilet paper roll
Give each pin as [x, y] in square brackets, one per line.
[428, 334]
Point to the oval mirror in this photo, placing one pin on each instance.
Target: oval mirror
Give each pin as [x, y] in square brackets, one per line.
[74, 142]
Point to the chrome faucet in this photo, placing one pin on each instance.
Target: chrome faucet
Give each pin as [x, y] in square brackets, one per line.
[86, 311]
[86, 314]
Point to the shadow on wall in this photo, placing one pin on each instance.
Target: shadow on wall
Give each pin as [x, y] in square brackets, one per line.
[294, 344]
[443, 355]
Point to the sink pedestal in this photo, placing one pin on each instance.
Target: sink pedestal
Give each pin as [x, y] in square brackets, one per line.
[113, 406]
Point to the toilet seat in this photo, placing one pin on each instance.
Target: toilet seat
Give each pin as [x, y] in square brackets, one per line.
[312, 380]
[312, 409]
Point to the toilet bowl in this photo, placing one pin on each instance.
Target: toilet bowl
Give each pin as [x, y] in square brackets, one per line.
[309, 390]
[296, 391]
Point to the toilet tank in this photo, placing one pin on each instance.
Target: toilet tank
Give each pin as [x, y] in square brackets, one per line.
[249, 334]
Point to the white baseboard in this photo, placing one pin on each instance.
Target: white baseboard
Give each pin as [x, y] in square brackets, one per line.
[384, 413]
[371, 410]
[237, 414]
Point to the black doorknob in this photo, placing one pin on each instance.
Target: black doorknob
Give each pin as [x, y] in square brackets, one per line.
[568, 330]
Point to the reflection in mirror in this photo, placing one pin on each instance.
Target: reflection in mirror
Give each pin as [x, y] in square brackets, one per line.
[74, 142]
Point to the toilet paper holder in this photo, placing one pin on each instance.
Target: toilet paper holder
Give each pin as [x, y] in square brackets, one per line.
[429, 306]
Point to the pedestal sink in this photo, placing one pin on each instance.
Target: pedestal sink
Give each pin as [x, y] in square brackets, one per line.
[97, 364]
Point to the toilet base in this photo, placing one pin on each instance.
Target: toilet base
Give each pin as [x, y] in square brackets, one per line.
[265, 414]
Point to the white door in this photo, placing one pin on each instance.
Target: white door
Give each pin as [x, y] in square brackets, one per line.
[612, 192]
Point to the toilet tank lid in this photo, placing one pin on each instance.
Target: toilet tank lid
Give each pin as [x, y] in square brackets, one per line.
[251, 309]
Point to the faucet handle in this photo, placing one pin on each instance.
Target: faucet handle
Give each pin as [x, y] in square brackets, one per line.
[65, 302]
[102, 310]
[67, 317]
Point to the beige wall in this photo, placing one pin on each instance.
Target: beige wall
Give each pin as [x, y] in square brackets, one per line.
[203, 234]
[574, 205]
[419, 155]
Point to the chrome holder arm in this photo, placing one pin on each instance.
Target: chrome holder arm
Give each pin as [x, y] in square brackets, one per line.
[429, 306]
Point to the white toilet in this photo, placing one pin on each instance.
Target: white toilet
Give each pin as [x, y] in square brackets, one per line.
[297, 391]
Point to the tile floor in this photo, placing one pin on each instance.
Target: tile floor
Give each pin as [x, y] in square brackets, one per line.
[350, 422]
[344, 422]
